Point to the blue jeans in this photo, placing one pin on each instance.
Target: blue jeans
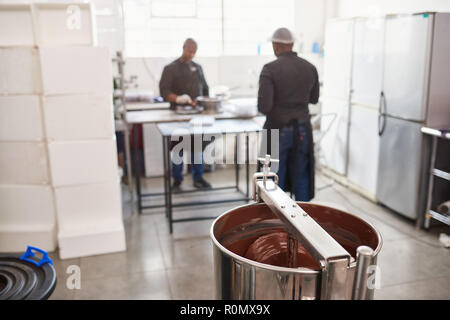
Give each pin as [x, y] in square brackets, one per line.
[197, 167]
[287, 161]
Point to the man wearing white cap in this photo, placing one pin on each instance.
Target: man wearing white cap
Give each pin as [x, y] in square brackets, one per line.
[286, 87]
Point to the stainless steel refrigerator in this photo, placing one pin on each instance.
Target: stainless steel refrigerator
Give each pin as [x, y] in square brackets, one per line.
[415, 93]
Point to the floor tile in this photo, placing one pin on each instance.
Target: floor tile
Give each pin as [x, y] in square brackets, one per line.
[408, 260]
[188, 253]
[192, 282]
[62, 292]
[143, 285]
[431, 289]
[128, 262]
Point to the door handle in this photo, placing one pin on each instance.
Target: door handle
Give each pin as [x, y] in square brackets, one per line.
[382, 114]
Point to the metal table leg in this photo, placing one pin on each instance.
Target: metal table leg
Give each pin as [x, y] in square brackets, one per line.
[236, 159]
[427, 217]
[137, 168]
[129, 165]
[165, 177]
[169, 186]
[247, 164]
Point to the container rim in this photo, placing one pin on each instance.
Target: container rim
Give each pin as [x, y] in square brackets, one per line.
[277, 268]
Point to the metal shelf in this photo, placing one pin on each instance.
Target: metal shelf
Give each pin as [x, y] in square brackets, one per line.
[436, 132]
[440, 217]
[441, 174]
[436, 135]
[119, 94]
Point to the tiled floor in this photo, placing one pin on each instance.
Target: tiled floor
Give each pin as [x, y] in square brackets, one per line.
[158, 265]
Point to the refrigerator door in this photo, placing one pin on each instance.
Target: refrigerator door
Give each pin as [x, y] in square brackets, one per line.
[405, 62]
[338, 50]
[399, 166]
[367, 70]
[333, 146]
[363, 151]
[439, 94]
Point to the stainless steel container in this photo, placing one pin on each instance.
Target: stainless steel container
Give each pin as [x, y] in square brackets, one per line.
[240, 278]
[210, 104]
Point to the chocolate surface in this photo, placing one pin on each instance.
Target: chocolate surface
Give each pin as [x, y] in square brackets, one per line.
[272, 249]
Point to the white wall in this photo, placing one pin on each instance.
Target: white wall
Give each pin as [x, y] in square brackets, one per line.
[108, 17]
[239, 73]
[352, 8]
[310, 18]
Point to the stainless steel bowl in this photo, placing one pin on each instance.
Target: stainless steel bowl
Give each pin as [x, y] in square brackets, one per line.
[210, 103]
[238, 277]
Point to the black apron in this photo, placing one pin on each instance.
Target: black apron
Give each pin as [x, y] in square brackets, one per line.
[291, 177]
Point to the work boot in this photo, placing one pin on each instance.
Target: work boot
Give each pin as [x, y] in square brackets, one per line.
[176, 186]
[202, 184]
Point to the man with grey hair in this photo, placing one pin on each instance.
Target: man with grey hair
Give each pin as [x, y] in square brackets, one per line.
[182, 81]
[286, 87]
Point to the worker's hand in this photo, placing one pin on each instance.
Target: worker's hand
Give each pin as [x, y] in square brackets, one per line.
[183, 99]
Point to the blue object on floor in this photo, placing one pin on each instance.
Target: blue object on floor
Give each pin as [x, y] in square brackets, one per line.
[29, 253]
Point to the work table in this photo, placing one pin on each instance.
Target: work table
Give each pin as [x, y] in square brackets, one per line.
[160, 116]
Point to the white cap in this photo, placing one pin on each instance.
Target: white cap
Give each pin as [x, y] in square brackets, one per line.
[282, 35]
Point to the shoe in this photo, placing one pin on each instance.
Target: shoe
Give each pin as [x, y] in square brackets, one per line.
[202, 184]
[176, 186]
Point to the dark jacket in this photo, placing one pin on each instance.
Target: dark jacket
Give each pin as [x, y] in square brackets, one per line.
[183, 78]
[286, 87]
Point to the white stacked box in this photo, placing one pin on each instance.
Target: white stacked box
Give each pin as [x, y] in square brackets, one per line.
[77, 204]
[78, 117]
[20, 118]
[46, 24]
[19, 70]
[92, 216]
[57, 146]
[75, 70]
[16, 25]
[26, 199]
[63, 24]
[92, 239]
[23, 163]
[27, 217]
[83, 162]
[79, 120]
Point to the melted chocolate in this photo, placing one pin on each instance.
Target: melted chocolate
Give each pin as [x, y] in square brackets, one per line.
[272, 249]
